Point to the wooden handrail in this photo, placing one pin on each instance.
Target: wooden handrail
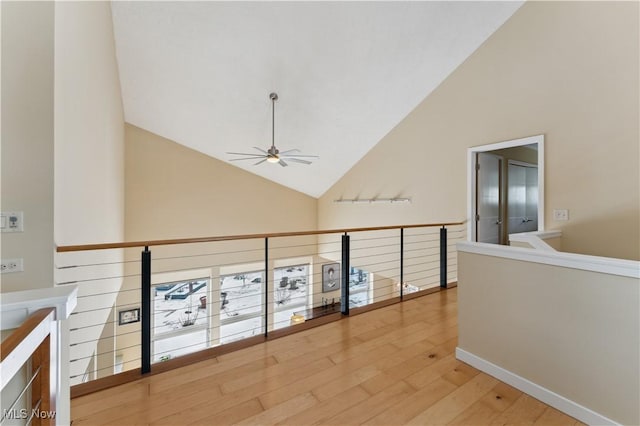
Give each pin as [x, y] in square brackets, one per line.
[133, 244]
[18, 335]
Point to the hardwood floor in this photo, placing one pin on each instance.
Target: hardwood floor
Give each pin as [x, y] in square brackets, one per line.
[391, 366]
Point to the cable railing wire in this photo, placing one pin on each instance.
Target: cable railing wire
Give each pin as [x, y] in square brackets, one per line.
[126, 362]
[97, 340]
[96, 279]
[86, 265]
[107, 292]
[380, 259]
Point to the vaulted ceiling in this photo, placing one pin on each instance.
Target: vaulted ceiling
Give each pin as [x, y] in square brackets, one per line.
[200, 73]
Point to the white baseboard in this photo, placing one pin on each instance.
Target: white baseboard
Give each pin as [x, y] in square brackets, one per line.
[545, 395]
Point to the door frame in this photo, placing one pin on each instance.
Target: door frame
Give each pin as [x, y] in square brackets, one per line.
[471, 178]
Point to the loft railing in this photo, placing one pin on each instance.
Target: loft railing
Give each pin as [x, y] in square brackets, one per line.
[172, 302]
[25, 370]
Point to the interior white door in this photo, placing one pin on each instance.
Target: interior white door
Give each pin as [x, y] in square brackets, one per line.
[522, 197]
[488, 198]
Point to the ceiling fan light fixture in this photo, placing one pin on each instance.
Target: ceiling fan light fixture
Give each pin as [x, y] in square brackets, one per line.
[272, 154]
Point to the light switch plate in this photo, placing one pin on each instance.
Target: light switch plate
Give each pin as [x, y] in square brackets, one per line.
[12, 221]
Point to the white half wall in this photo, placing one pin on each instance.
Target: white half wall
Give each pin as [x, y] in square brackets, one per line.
[567, 327]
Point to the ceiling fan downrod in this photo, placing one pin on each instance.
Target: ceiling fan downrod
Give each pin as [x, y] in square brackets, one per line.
[273, 150]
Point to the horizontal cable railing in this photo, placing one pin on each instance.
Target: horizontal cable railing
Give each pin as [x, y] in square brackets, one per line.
[143, 310]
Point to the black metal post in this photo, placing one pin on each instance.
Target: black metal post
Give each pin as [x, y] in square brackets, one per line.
[443, 257]
[145, 288]
[401, 262]
[344, 299]
[266, 287]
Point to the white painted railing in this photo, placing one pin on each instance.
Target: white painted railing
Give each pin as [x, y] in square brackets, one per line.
[33, 355]
[537, 239]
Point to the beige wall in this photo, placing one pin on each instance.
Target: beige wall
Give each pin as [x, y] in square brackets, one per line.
[568, 70]
[27, 139]
[571, 331]
[175, 192]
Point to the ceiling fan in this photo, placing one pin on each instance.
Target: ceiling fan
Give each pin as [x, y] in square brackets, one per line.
[273, 155]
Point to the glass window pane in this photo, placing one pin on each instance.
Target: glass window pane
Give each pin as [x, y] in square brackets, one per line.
[239, 330]
[358, 280]
[180, 318]
[241, 294]
[290, 286]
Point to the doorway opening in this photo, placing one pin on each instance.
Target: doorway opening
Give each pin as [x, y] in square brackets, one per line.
[505, 189]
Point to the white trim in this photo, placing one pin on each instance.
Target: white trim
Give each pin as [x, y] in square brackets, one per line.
[545, 395]
[522, 164]
[543, 235]
[471, 177]
[17, 306]
[16, 359]
[606, 265]
[536, 239]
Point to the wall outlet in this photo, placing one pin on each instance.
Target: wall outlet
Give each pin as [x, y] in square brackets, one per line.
[11, 265]
[561, 214]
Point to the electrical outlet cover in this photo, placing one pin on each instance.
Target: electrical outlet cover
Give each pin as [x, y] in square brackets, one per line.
[11, 265]
[561, 214]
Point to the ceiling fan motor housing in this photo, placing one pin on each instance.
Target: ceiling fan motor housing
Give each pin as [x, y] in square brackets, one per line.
[272, 155]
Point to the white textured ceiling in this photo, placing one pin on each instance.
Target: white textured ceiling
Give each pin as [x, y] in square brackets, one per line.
[200, 73]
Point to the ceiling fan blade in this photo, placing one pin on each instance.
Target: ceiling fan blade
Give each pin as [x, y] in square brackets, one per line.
[260, 162]
[252, 154]
[289, 150]
[247, 158]
[299, 155]
[261, 150]
[295, 160]
[282, 163]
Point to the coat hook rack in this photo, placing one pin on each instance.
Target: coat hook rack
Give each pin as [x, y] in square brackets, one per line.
[373, 201]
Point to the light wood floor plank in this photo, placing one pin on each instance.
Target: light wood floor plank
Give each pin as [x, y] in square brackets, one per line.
[414, 404]
[370, 407]
[280, 412]
[392, 366]
[524, 411]
[449, 407]
[314, 381]
[232, 415]
[319, 413]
